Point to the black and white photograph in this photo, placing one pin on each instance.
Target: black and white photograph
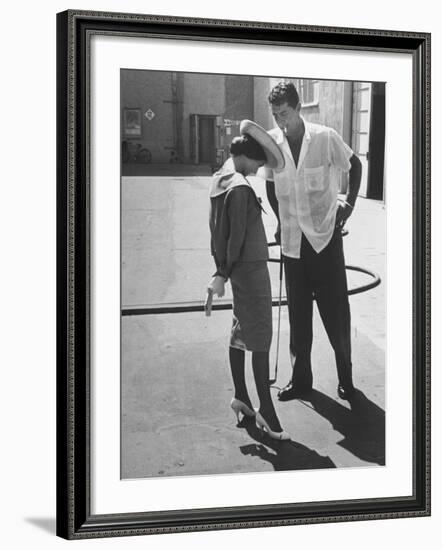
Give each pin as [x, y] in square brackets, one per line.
[221, 270]
[243, 306]
[253, 265]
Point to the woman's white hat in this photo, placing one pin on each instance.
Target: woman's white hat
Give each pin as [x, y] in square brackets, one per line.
[275, 158]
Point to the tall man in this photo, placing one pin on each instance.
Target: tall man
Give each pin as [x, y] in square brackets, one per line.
[304, 197]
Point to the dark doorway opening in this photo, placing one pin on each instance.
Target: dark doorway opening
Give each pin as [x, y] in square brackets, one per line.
[375, 188]
[207, 151]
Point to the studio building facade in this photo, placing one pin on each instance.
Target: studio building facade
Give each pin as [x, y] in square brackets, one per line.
[190, 119]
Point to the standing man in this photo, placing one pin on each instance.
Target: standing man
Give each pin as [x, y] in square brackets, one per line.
[304, 197]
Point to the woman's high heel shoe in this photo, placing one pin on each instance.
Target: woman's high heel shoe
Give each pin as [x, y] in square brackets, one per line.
[262, 425]
[240, 407]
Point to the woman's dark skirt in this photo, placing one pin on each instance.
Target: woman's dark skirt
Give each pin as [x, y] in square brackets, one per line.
[252, 306]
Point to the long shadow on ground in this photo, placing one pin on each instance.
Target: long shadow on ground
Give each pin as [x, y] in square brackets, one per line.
[363, 428]
[363, 425]
[286, 455]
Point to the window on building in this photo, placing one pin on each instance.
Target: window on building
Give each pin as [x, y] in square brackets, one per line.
[308, 91]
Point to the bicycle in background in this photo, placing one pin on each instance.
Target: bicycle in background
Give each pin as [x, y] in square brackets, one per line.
[135, 152]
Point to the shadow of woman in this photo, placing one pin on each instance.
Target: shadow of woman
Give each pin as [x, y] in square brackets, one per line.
[363, 425]
[283, 455]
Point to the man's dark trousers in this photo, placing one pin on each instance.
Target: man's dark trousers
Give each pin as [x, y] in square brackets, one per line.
[319, 276]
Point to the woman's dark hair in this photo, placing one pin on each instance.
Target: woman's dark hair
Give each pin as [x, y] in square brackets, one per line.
[247, 146]
[284, 92]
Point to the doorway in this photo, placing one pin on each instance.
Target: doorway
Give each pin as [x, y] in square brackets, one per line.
[203, 138]
[368, 136]
[361, 129]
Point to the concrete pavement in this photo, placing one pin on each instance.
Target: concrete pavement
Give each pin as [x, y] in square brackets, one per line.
[176, 384]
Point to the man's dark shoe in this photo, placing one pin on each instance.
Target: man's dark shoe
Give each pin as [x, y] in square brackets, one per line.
[346, 393]
[293, 391]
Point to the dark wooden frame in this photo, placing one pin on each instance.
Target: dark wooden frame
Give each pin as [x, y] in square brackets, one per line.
[74, 519]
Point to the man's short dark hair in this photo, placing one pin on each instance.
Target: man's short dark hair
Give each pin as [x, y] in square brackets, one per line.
[284, 92]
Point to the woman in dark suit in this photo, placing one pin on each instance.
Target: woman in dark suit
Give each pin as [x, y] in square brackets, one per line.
[240, 250]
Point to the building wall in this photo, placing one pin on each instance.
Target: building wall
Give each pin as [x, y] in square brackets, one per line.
[262, 113]
[150, 90]
[203, 94]
[239, 97]
[330, 108]
[239, 106]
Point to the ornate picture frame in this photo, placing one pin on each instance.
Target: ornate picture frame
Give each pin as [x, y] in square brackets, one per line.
[76, 518]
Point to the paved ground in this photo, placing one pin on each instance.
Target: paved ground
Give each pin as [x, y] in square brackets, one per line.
[166, 170]
[176, 384]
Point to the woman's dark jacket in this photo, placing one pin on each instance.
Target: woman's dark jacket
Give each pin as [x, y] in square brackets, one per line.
[237, 231]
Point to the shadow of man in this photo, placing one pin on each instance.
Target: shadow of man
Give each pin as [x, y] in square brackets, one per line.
[282, 455]
[363, 425]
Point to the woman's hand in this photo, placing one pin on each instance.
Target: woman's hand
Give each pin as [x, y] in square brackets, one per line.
[216, 285]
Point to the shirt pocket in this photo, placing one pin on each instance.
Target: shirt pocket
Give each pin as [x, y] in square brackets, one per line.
[314, 179]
